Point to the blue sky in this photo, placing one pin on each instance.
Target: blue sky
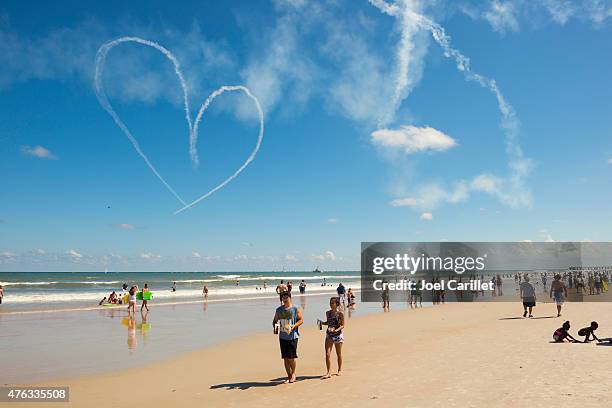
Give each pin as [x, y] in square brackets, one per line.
[372, 133]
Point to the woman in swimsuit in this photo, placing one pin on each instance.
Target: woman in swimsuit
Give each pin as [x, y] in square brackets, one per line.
[334, 336]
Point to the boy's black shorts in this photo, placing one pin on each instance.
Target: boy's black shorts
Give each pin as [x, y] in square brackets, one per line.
[288, 348]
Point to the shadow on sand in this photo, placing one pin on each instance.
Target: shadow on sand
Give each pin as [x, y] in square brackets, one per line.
[527, 318]
[257, 384]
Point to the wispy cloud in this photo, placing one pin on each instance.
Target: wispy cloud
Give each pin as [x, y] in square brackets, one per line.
[124, 226]
[427, 216]
[412, 139]
[38, 151]
[326, 256]
[150, 256]
[196, 254]
[68, 53]
[75, 255]
[508, 15]
[8, 254]
[291, 258]
[332, 220]
[502, 16]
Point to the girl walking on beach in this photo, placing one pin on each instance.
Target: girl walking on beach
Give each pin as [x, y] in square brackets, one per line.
[132, 300]
[334, 335]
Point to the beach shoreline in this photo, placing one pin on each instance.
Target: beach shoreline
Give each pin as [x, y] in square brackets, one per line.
[453, 354]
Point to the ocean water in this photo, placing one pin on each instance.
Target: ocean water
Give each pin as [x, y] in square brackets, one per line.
[49, 290]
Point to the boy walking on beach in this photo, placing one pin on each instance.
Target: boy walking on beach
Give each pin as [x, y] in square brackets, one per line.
[558, 291]
[286, 323]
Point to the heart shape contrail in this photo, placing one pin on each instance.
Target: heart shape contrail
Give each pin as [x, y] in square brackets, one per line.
[193, 126]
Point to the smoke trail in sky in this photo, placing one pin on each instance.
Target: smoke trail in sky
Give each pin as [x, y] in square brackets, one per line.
[193, 126]
[103, 99]
[411, 21]
[203, 108]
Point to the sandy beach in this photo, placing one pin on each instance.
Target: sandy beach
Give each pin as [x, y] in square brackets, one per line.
[453, 355]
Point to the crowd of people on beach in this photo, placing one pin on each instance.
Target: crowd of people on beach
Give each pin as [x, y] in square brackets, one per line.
[596, 280]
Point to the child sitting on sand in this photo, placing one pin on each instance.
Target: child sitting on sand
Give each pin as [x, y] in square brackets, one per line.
[562, 333]
[588, 331]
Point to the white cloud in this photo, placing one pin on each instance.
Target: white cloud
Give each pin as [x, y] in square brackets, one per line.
[507, 15]
[124, 226]
[412, 139]
[38, 151]
[502, 16]
[407, 202]
[291, 258]
[427, 216]
[326, 256]
[282, 65]
[610, 161]
[549, 238]
[332, 220]
[430, 196]
[74, 254]
[8, 254]
[560, 10]
[196, 254]
[40, 251]
[150, 256]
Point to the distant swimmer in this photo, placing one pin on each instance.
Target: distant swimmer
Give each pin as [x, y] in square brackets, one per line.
[1, 293]
[281, 288]
[174, 286]
[302, 287]
[205, 292]
[341, 292]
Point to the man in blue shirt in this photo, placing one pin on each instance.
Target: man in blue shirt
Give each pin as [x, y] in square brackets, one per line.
[286, 323]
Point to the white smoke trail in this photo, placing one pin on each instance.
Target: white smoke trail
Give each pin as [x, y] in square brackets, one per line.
[410, 20]
[193, 126]
[103, 99]
[203, 108]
